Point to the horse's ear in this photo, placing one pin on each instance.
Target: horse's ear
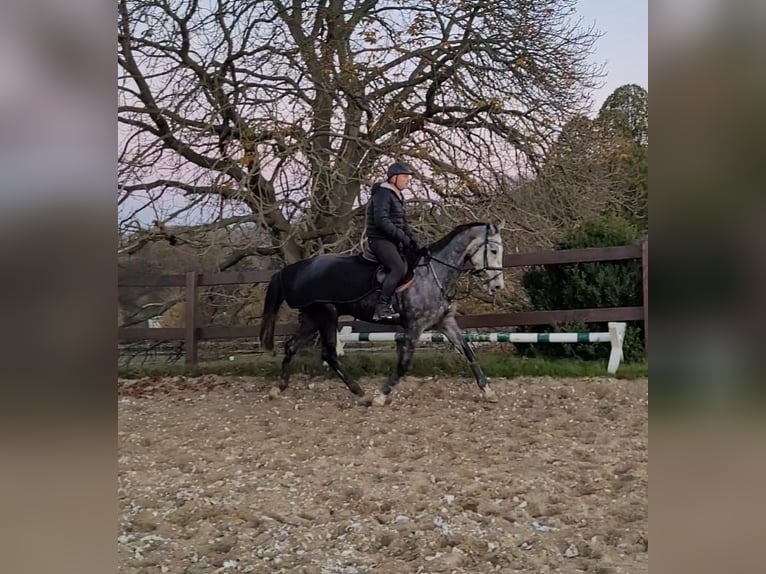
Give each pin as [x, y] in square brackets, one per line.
[501, 224]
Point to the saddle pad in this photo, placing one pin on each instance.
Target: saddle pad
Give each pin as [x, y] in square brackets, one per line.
[328, 278]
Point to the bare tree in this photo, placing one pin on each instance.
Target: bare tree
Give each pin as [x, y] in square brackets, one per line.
[277, 114]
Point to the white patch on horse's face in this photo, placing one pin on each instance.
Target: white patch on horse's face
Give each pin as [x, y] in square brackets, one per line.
[492, 266]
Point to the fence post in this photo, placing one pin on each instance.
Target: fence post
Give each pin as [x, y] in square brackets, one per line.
[645, 273]
[190, 323]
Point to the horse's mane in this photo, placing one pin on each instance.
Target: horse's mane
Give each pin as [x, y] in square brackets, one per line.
[440, 243]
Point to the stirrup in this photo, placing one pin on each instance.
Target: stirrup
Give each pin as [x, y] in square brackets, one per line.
[385, 311]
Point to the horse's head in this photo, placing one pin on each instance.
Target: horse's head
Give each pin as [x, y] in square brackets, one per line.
[485, 256]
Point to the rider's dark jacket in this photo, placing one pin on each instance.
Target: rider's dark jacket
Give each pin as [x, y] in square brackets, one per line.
[386, 218]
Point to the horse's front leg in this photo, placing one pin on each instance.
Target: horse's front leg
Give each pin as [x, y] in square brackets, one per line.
[452, 331]
[405, 350]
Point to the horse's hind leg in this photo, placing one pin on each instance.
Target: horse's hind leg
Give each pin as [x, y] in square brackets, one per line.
[405, 351]
[306, 330]
[326, 317]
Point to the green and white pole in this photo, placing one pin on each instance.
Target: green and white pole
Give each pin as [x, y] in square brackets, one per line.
[615, 336]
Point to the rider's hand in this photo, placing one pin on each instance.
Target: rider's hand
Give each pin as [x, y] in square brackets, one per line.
[414, 245]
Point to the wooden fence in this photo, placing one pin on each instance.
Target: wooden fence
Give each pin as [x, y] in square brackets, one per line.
[192, 332]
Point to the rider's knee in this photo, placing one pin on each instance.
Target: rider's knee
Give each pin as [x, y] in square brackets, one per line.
[397, 271]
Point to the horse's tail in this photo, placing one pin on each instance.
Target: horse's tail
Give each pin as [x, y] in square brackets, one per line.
[274, 299]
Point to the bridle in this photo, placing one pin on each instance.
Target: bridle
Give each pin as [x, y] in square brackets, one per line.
[486, 269]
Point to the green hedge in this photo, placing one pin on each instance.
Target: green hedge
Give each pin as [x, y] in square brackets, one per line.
[589, 285]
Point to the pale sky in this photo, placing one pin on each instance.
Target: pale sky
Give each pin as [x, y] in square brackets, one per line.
[624, 45]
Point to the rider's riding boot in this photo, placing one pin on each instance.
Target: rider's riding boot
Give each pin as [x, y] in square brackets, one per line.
[384, 310]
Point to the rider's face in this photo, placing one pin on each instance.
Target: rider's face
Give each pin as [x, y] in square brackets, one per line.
[402, 181]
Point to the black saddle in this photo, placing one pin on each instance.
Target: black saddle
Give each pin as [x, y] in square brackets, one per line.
[381, 272]
[331, 278]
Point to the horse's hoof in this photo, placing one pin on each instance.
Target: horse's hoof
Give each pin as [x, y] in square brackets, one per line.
[379, 400]
[274, 393]
[489, 395]
[364, 401]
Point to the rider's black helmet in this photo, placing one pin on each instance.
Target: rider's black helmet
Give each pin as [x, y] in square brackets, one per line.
[398, 168]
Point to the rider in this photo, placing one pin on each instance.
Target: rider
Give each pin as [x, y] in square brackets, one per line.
[388, 233]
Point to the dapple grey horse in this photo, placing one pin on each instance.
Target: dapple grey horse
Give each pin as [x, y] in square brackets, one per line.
[474, 248]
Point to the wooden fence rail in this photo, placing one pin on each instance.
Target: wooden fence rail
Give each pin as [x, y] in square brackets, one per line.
[192, 333]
